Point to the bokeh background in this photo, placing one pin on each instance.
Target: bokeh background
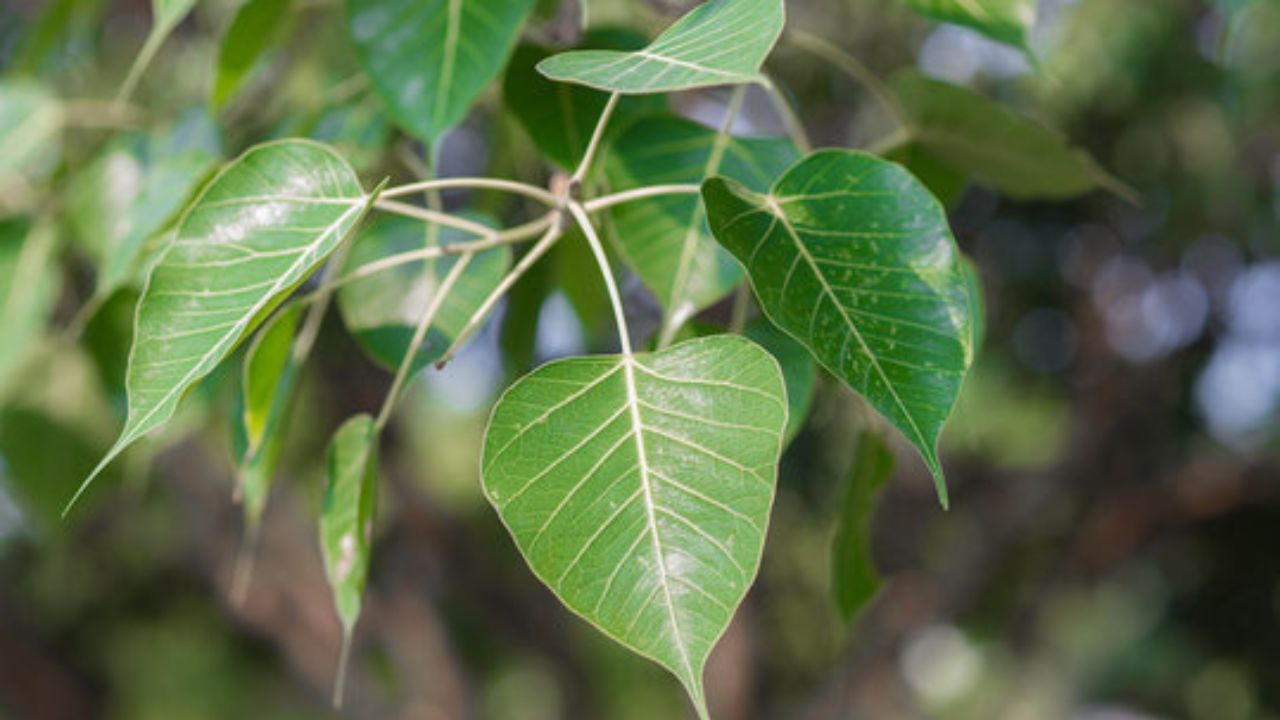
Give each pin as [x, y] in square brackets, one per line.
[1112, 548]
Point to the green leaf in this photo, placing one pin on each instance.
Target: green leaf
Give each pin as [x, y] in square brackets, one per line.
[1006, 21]
[257, 26]
[559, 117]
[666, 239]
[382, 311]
[269, 376]
[166, 14]
[853, 257]
[721, 42]
[346, 521]
[854, 578]
[979, 138]
[134, 189]
[30, 132]
[258, 230]
[799, 373]
[28, 290]
[638, 488]
[40, 459]
[429, 59]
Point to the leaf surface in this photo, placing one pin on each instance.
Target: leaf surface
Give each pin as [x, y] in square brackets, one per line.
[1006, 21]
[854, 578]
[666, 239]
[28, 290]
[30, 131]
[639, 488]
[346, 520]
[721, 42]
[257, 26]
[799, 373]
[258, 230]
[429, 59]
[853, 257]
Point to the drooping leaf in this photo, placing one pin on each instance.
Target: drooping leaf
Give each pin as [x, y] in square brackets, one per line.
[853, 257]
[429, 59]
[666, 239]
[346, 520]
[799, 373]
[1006, 21]
[134, 189]
[257, 26]
[854, 578]
[638, 488]
[721, 42]
[978, 138]
[258, 230]
[382, 311]
[560, 117]
[28, 289]
[30, 132]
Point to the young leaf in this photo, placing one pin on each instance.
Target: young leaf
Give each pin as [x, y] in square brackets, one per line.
[638, 488]
[977, 137]
[1006, 21]
[559, 117]
[28, 290]
[258, 25]
[721, 42]
[30, 131]
[854, 579]
[666, 239]
[382, 311]
[429, 59]
[853, 257]
[799, 373]
[258, 230]
[268, 376]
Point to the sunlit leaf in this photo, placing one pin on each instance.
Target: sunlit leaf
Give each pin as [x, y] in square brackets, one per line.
[666, 239]
[639, 488]
[429, 59]
[257, 26]
[258, 230]
[854, 578]
[28, 289]
[1007, 21]
[383, 310]
[799, 373]
[981, 139]
[346, 520]
[853, 257]
[721, 42]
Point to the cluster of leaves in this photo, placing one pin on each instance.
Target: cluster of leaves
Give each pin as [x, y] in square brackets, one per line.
[637, 485]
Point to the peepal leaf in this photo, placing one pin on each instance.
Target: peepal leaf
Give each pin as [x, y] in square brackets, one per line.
[638, 488]
[346, 521]
[854, 578]
[30, 131]
[382, 311]
[799, 373]
[721, 42]
[979, 138]
[258, 25]
[257, 231]
[853, 257]
[666, 239]
[1006, 21]
[28, 290]
[429, 59]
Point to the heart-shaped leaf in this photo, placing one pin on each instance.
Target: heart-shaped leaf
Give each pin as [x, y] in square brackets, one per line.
[666, 239]
[853, 257]
[638, 488]
[429, 59]
[382, 311]
[258, 230]
[854, 578]
[721, 42]
[1006, 21]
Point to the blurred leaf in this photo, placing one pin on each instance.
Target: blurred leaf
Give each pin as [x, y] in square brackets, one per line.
[854, 578]
[560, 117]
[359, 131]
[383, 310]
[30, 131]
[133, 190]
[29, 283]
[638, 488]
[666, 239]
[50, 33]
[259, 229]
[40, 460]
[1007, 21]
[346, 521]
[799, 372]
[166, 14]
[258, 25]
[852, 256]
[519, 335]
[721, 42]
[979, 138]
[429, 59]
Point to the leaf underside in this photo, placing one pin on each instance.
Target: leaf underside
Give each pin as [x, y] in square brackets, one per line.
[639, 488]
